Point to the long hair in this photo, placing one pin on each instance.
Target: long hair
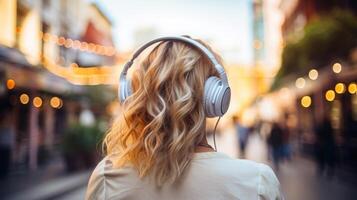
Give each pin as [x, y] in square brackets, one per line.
[162, 122]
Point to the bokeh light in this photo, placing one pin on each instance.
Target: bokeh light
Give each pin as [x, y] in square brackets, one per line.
[340, 88]
[306, 101]
[74, 65]
[10, 84]
[330, 95]
[55, 102]
[24, 98]
[337, 68]
[37, 102]
[313, 74]
[352, 88]
[300, 82]
[61, 41]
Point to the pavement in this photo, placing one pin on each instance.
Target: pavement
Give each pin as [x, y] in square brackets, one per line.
[50, 181]
[57, 188]
[77, 194]
[300, 180]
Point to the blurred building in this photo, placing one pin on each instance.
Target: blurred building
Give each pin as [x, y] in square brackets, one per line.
[254, 80]
[258, 27]
[325, 92]
[299, 12]
[37, 101]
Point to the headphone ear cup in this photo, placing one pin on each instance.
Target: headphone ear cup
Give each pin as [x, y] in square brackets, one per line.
[211, 87]
[216, 97]
[124, 90]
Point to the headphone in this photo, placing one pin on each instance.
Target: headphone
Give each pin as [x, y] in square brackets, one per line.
[217, 93]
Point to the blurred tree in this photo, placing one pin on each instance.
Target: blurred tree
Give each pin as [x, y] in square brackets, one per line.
[81, 146]
[96, 95]
[100, 95]
[326, 39]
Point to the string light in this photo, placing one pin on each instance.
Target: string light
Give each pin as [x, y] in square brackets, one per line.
[352, 88]
[77, 75]
[330, 95]
[10, 84]
[37, 102]
[313, 74]
[337, 68]
[54, 38]
[68, 43]
[340, 88]
[55, 102]
[46, 37]
[76, 44]
[84, 46]
[24, 98]
[300, 83]
[91, 47]
[83, 76]
[306, 101]
[61, 40]
[74, 65]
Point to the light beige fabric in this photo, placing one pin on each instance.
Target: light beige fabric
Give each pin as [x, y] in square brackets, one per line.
[211, 175]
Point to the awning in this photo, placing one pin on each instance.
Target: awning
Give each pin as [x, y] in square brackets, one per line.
[15, 66]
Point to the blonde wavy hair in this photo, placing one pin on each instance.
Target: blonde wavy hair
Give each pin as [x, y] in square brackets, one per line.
[163, 121]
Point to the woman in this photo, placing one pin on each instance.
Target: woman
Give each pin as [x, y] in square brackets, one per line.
[157, 148]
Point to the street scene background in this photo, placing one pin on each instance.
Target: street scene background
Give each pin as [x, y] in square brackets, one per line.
[291, 65]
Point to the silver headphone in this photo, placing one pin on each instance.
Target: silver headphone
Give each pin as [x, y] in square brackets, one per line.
[217, 93]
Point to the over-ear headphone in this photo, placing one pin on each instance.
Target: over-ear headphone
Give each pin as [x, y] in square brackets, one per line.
[217, 93]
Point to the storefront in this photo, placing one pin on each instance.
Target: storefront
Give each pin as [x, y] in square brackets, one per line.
[36, 107]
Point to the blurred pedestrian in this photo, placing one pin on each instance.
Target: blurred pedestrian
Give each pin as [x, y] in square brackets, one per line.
[158, 149]
[325, 147]
[275, 140]
[286, 146]
[7, 142]
[243, 135]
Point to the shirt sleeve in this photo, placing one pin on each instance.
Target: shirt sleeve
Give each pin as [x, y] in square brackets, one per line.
[96, 184]
[269, 186]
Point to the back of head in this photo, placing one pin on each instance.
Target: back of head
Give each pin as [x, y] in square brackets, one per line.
[164, 119]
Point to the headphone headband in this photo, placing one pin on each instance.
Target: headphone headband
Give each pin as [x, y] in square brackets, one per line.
[186, 40]
[217, 93]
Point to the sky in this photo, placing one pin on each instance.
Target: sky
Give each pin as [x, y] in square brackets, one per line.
[225, 24]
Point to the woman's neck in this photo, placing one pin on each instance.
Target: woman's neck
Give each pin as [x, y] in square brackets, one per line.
[203, 146]
[201, 149]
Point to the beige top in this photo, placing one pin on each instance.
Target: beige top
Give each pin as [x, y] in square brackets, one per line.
[211, 175]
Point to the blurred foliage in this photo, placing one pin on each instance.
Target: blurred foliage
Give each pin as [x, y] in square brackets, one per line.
[81, 145]
[80, 138]
[100, 94]
[96, 95]
[326, 39]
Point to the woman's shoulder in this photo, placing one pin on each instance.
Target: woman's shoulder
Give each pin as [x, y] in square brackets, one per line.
[268, 185]
[254, 175]
[107, 166]
[104, 173]
[95, 188]
[223, 161]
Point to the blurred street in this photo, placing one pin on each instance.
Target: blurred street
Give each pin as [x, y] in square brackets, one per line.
[74, 195]
[298, 177]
